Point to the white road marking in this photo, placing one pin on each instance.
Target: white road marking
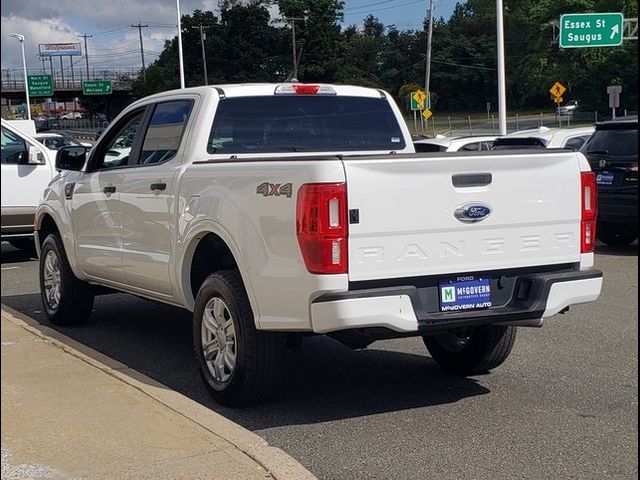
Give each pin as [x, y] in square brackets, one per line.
[9, 268]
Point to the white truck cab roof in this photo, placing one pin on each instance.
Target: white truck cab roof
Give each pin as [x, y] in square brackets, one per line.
[555, 137]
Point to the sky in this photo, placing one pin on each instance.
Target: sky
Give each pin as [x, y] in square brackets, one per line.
[115, 44]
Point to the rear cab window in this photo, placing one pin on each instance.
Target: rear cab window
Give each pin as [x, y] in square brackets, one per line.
[164, 134]
[298, 123]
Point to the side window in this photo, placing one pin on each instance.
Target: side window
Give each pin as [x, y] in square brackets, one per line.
[471, 147]
[119, 146]
[575, 143]
[163, 136]
[14, 148]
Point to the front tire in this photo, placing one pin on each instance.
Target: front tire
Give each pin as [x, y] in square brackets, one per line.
[471, 350]
[66, 299]
[238, 363]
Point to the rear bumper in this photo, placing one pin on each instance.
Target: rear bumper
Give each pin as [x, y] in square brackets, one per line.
[522, 299]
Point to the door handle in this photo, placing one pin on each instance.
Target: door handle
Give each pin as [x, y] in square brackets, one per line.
[158, 186]
[471, 180]
[109, 189]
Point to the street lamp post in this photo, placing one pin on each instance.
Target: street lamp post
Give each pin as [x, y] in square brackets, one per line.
[20, 38]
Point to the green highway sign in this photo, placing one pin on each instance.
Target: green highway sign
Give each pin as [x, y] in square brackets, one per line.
[96, 87]
[40, 85]
[579, 30]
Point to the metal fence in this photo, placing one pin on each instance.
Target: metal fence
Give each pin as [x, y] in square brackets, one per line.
[121, 79]
[456, 126]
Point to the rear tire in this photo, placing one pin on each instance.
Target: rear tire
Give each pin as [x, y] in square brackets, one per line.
[616, 236]
[66, 299]
[238, 363]
[471, 350]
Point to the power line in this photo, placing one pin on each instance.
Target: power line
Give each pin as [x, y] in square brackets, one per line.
[358, 7]
[381, 9]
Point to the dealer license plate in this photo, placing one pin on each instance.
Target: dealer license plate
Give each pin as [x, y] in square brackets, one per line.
[605, 178]
[465, 293]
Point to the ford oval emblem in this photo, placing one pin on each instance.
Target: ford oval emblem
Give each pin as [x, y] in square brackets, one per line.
[472, 212]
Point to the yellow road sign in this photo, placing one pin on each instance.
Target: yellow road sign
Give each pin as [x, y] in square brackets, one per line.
[558, 99]
[557, 89]
[419, 96]
[426, 113]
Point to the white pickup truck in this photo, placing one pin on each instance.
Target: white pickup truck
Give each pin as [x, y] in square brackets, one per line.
[27, 167]
[278, 211]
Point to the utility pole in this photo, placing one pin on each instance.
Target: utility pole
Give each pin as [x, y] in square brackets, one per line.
[203, 37]
[502, 84]
[293, 35]
[86, 51]
[427, 73]
[139, 26]
[180, 56]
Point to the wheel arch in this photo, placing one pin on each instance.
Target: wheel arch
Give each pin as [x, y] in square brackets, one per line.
[210, 248]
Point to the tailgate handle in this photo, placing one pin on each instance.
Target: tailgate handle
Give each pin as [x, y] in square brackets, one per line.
[471, 179]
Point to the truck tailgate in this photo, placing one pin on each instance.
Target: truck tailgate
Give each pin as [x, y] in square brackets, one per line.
[405, 224]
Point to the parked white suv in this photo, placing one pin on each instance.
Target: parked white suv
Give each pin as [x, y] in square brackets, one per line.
[285, 209]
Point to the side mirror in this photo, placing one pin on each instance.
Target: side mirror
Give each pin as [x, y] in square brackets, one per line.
[36, 157]
[71, 158]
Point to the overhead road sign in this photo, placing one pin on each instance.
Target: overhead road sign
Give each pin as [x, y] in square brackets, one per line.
[60, 49]
[40, 85]
[581, 30]
[557, 89]
[96, 87]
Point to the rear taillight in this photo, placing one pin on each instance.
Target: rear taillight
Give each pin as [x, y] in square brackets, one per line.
[321, 226]
[589, 212]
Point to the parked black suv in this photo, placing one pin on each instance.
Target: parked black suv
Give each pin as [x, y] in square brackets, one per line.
[612, 152]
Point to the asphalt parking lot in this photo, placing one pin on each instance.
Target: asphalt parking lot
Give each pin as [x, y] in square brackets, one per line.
[564, 405]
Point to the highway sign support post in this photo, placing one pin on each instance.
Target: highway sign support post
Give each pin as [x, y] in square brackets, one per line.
[583, 30]
[614, 98]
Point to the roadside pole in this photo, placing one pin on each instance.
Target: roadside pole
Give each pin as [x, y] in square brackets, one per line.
[180, 58]
[502, 88]
[20, 38]
[427, 73]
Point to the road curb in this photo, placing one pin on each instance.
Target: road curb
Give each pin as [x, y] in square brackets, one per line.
[278, 463]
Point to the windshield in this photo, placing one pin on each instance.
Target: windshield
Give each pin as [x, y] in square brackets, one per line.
[300, 123]
[616, 142]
